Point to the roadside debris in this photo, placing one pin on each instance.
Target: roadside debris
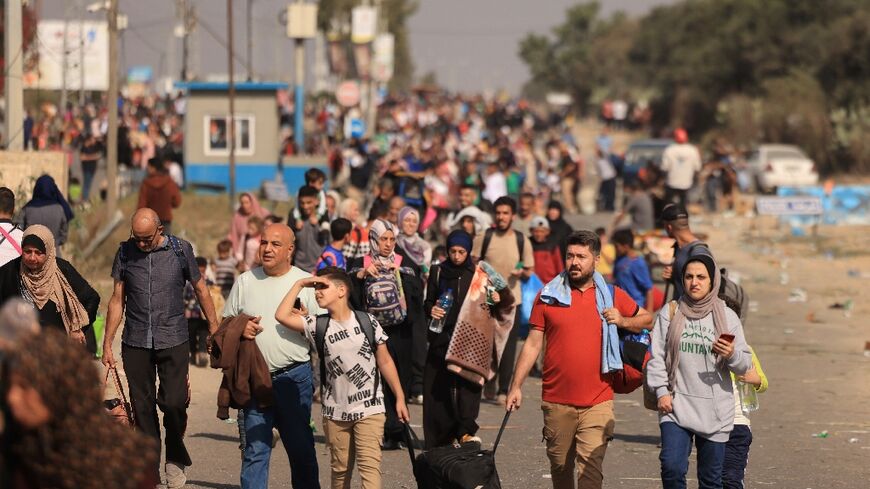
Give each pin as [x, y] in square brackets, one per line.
[797, 295]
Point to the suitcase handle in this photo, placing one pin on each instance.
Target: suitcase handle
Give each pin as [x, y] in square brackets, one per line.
[411, 440]
[412, 437]
[504, 421]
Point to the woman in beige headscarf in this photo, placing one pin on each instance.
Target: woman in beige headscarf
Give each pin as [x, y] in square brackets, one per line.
[63, 298]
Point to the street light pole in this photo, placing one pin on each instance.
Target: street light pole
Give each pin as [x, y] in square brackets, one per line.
[231, 123]
[81, 6]
[185, 53]
[65, 63]
[112, 103]
[372, 112]
[13, 136]
[299, 99]
[250, 39]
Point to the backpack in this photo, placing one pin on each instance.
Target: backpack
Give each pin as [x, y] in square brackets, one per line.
[328, 259]
[174, 243]
[487, 238]
[384, 296]
[634, 352]
[413, 191]
[320, 327]
[729, 290]
[650, 400]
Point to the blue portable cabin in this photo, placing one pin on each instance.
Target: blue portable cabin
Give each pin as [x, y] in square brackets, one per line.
[258, 144]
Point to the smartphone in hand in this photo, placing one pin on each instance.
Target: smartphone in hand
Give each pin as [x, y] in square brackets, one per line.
[729, 338]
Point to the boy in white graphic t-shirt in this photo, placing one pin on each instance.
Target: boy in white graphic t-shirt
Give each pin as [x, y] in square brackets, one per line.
[352, 399]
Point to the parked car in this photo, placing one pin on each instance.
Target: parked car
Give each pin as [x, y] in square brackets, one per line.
[780, 165]
[640, 152]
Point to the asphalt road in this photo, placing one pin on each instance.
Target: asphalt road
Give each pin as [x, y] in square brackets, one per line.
[813, 356]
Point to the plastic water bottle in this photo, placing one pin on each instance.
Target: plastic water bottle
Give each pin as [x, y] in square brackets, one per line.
[748, 397]
[444, 302]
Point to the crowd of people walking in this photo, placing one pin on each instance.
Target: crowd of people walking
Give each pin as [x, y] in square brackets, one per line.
[433, 266]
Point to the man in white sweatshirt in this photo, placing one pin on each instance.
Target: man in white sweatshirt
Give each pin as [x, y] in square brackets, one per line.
[681, 161]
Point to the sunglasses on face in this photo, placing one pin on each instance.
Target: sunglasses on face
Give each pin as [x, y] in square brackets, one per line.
[144, 239]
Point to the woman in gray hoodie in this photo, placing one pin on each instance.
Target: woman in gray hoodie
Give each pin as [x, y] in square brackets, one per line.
[694, 349]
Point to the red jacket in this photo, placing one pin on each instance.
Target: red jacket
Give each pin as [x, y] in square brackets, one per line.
[548, 260]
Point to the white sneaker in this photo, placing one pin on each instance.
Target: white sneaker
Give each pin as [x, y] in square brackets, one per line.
[466, 438]
[175, 478]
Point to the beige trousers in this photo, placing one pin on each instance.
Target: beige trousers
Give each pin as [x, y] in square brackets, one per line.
[355, 441]
[568, 195]
[577, 433]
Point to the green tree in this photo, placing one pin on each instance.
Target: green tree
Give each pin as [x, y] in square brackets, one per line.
[563, 63]
[583, 55]
[757, 70]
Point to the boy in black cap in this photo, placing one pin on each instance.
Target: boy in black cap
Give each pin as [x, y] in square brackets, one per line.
[675, 220]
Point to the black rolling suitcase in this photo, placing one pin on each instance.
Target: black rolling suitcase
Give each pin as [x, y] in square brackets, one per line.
[465, 466]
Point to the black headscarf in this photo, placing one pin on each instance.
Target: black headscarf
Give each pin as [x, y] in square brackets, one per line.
[559, 228]
[45, 192]
[450, 271]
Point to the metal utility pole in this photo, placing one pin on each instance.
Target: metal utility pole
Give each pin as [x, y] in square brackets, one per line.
[249, 36]
[112, 103]
[81, 6]
[185, 49]
[231, 123]
[299, 99]
[13, 136]
[372, 112]
[301, 25]
[64, 63]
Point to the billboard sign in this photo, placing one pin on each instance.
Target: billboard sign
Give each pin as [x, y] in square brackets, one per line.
[364, 23]
[382, 62]
[88, 41]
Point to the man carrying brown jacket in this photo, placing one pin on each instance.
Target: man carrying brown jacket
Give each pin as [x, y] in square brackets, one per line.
[245, 373]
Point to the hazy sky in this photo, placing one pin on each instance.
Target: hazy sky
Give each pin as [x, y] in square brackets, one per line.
[473, 44]
[470, 44]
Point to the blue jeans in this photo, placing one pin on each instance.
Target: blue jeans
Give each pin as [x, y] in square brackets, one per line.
[89, 169]
[711, 188]
[291, 414]
[676, 447]
[736, 457]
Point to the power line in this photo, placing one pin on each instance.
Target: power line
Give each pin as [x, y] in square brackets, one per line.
[144, 40]
[154, 22]
[211, 32]
[428, 33]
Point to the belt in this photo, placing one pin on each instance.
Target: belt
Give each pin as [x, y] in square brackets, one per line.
[286, 369]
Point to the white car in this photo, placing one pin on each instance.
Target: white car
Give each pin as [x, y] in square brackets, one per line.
[780, 165]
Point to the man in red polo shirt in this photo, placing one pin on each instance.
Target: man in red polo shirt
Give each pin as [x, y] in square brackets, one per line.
[577, 397]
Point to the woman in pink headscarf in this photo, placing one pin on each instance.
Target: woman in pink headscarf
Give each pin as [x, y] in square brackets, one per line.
[249, 207]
